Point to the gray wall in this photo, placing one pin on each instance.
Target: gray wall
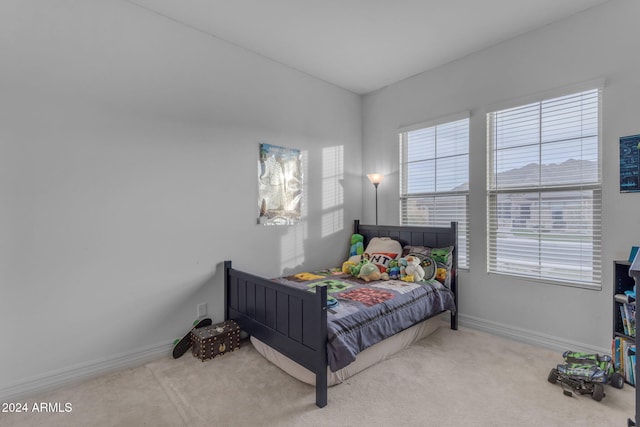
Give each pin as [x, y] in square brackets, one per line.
[599, 43]
[128, 165]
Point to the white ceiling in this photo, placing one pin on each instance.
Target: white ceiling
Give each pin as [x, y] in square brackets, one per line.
[363, 45]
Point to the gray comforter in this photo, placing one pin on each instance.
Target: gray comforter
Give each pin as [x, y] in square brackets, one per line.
[361, 314]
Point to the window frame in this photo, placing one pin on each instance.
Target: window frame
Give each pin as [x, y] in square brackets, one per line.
[463, 229]
[595, 187]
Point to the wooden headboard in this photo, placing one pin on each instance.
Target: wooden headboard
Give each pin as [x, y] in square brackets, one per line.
[433, 237]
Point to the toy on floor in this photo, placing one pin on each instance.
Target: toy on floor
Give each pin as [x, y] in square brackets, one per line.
[181, 345]
[585, 373]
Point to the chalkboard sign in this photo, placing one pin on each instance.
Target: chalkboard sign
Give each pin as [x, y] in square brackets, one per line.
[630, 163]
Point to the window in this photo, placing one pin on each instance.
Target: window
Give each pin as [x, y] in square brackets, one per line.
[434, 177]
[544, 190]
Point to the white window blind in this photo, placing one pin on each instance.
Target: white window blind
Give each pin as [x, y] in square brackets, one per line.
[434, 178]
[544, 190]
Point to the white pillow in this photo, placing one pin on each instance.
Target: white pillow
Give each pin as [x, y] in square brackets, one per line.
[381, 250]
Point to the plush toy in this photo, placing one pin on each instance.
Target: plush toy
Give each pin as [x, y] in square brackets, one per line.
[357, 245]
[394, 272]
[394, 269]
[414, 268]
[407, 278]
[346, 266]
[355, 269]
[402, 264]
[384, 276]
[369, 272]
[441, 255]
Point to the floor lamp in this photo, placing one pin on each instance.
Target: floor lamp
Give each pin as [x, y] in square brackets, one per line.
[376, 179]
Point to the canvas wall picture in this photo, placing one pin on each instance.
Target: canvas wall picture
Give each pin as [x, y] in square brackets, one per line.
[279, 185]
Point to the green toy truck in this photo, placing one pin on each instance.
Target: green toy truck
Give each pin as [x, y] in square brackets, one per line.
[585, 373]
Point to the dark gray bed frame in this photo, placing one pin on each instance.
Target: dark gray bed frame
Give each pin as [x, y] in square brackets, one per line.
[294, 321]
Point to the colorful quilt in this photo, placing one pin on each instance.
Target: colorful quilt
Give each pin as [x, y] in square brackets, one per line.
[361, 313]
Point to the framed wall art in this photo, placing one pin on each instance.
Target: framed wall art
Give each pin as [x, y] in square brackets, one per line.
[630, 164]
[279, 185]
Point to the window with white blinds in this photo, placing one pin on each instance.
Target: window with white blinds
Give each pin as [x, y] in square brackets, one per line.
[434, 177]
[544, 192]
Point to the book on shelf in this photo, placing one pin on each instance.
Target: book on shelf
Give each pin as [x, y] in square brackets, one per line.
[616, 348]
[628, 318]
[624, 358]
[631, 363]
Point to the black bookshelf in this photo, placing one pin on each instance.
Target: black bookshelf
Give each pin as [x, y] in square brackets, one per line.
[621, 282]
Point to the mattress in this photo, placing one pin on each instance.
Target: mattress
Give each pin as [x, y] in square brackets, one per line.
[366, 358]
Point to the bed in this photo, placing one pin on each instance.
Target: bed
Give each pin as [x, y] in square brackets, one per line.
[288, 323]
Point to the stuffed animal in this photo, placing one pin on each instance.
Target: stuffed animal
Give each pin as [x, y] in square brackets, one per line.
[346, 266]
[357, 245]
[394, 269]
[414, 268]
[369, 272]
[441, 255]
[355, 269]
[402, 264]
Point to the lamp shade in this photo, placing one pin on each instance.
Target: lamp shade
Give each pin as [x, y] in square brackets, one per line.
[375, 178]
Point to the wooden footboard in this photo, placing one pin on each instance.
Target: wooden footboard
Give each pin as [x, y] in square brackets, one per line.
[294, 321]
[290, 320]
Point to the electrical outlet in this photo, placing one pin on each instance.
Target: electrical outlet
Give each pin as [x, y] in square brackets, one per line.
[202, 309]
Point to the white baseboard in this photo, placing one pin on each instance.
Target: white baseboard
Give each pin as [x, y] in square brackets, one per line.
[527, 336]
[81, 372]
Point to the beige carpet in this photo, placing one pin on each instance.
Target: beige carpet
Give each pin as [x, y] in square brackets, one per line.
[453, 378]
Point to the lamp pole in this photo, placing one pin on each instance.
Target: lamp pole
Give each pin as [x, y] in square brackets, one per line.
[375, 184]
[376, 179]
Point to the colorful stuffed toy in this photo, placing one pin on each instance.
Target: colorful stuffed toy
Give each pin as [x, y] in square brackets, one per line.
[441, 275]
[355, 269]
[346, 266]
[402, 264]
[394, 269]
[357, 245]
[414, 268]
[441, 255]
[369, 272]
